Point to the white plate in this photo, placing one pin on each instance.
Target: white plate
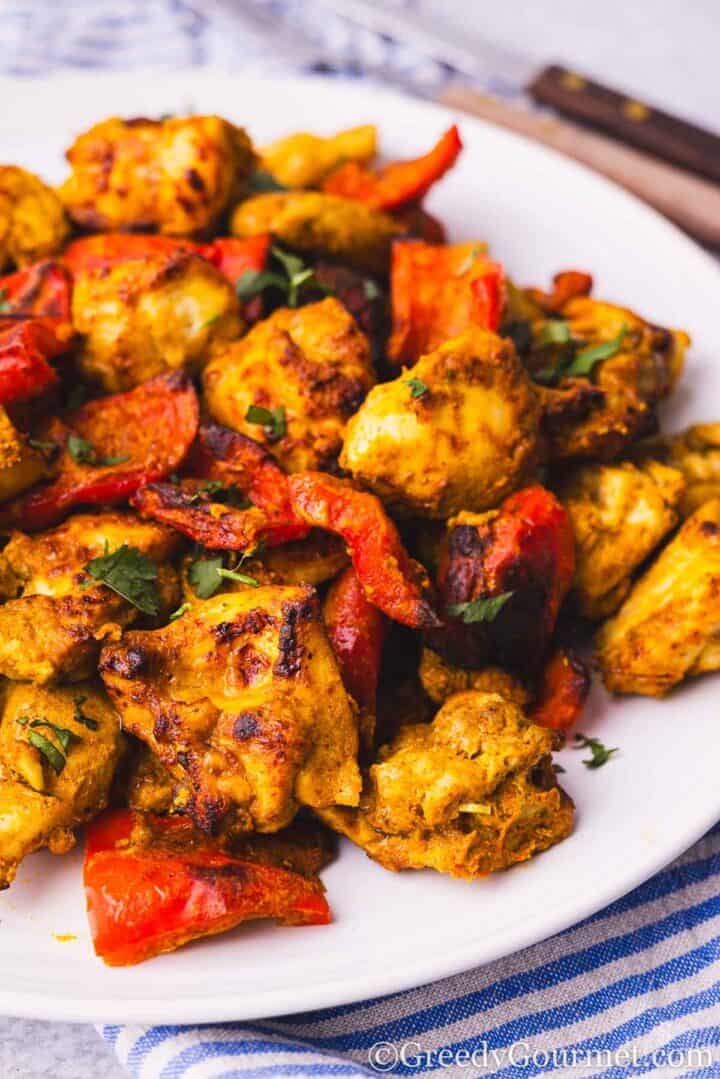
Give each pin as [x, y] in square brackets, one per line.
[540, 213]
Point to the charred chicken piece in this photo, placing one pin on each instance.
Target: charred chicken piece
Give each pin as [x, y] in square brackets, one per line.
[59, 749]
[456, 431]
[695, 452]
[177, 175]
[242, 701]
[668, 627]
[468, 794]
[304, 160]
[52, 625]
[33, 225]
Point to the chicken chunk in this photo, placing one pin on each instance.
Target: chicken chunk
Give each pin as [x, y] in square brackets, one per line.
[441, 680]
[600, 415]
[177, 175]
[668, 628]
[696, 453]
[21, 465]
[470, 793]
[456, 431]
[311, 363]
[304, 160]
[33, 225]
[146, 316]
[58, 751]
[619, 514]
[320, 224]
[242, 701]
[51, 627]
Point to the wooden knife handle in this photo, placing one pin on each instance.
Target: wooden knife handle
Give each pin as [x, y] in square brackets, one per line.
[631, 121]
[689, 201]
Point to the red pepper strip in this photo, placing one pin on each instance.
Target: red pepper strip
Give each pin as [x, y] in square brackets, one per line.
[24, 351]
[400, 182]
[150, 889]
[391, 580]
[151, 427]
[232, 256]
[564, 689]
[438, 291]
[356, 631]
[566, 286]
[39, 291]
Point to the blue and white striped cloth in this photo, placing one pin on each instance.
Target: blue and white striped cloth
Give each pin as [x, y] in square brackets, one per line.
[635, 990]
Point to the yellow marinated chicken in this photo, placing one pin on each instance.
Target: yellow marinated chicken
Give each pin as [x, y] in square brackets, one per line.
[304, 160]
[21, 465]
[145, 316]
[51, 628]
[456, 431]
[668, 628]
[149, 786]
[314, 560]
[600, 415]
[241, 699]
[619, 514]
[312, 363]
[59, 749]
[696, 453]
[320, 224]
[470, 793]
[177, 175]
[33, 225]
[441, 680]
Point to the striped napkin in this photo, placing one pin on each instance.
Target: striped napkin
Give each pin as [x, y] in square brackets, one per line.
[635, 990]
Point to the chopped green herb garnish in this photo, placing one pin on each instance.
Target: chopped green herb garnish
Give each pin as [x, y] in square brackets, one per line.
[243, 578]
[469, 262]
[586, 359]
[56, 758]
[50, 752]
[599, 754]
[253, 282]
[417, 387]
[129, 572]
[203, 575]
[84, 453]
[297, 273]
[262, 180]
[80, 717]
[272, 420]
[290, 279]
[480, 610]
[42, 445]
[218, 491]
[554, 332]
[180, 611]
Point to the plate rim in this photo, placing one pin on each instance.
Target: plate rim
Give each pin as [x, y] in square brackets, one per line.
[425, 968]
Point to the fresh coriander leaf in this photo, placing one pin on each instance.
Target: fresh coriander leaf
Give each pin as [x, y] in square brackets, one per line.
[372, 291]
[63, 735]
[554, 332]
[291, 264]
[50, 752]
[417, 387]
[599, 754]
[42, 445]
[84, 453]
[586, 358]
[520, 333]
[129, 572]
[273, 421]
[480, 610]
[243, 578]
[469, 262]
[80, 717]
[262, 180]
[180, 611]
[203, 575]
[253, 282]
[298, 274]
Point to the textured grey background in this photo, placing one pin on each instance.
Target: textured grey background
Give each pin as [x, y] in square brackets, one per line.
[662, 50]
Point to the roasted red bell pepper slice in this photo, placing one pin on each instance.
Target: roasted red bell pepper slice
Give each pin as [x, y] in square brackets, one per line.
[25, 348]
[392, 581]
[35, 326]
[356, 630]
[142, 435]
[152, 886]
[564, 688]
[524, 553]
[43, 290]
[438, 292]
[399, 182]
[231, 255]
[566, 286]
